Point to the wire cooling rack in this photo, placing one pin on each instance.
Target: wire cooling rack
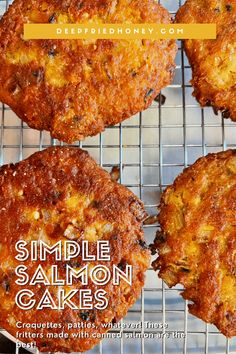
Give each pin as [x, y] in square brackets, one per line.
[151, 148]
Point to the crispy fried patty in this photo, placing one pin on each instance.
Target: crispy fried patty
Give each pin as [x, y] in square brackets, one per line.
[61, 194]
[213, 61]
[197, 242]
[76, 88]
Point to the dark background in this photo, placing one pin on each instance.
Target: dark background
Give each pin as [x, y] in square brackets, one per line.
[8, 347]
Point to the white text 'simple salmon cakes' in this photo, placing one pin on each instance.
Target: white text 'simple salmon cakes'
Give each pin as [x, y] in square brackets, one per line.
[197, 242]
[213, 61]
[76, 88]
[61, 194]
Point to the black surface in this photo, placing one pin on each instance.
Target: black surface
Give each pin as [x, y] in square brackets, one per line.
[8, 347]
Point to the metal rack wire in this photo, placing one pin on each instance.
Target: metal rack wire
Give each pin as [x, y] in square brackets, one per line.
[151, 149]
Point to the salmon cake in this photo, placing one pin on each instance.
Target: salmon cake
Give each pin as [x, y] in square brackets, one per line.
[60, 196]
[197, 241]
[76, 88]
[213, 61]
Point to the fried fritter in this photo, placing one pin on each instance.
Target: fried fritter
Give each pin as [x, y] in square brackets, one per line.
[76, 88]
[61, 194]
[197, 241]
[213, 61]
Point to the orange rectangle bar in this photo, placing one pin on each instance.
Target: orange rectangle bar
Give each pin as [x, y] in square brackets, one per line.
[119, 31]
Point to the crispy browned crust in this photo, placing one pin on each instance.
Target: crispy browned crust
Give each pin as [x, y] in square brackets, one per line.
[61, 193]
[197, 242]
[76, 88]
[213, 61]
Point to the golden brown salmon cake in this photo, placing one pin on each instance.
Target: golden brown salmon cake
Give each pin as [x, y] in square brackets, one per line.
[197, 242]
[76, 88]
[60, 194]
[213, 61]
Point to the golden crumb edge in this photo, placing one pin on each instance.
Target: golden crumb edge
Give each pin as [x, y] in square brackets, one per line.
[213, 61]
[197, 241]
[76, 88]
[61, 194]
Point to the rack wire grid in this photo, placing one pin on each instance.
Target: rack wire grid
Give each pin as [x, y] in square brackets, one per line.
[151, 148]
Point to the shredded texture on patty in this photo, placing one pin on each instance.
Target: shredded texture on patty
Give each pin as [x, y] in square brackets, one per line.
[197, 241]
[76, 88]
[61, 194]
[213, 61]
